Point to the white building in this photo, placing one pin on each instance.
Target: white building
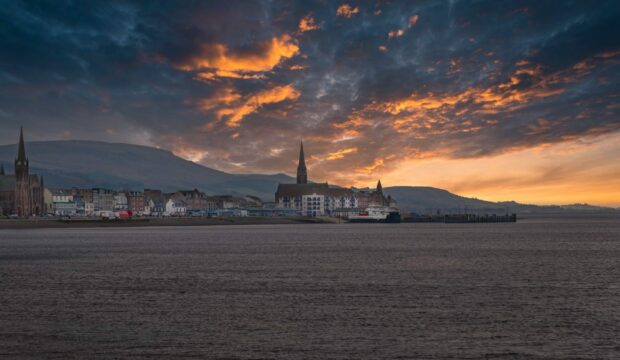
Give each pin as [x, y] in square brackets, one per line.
[103, 199]
[89, 209]
[61, 196]
[62, 203]
[120, 201]
[175, 208]
[316, 199]
[313, 205]
[149, 205]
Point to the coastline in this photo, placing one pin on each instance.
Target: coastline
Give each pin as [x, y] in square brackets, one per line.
[142, 222]
[43, 223]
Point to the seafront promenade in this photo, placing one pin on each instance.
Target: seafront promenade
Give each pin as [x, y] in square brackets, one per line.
[167, 221]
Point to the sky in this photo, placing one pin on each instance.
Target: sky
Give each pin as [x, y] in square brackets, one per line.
[498, 100]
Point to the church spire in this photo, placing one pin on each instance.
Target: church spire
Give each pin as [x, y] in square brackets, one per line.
[302, 172]
[21, 153]
[379, 187]
[21, 162]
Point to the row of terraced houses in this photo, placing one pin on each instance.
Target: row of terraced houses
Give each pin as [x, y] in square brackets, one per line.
[103, 202]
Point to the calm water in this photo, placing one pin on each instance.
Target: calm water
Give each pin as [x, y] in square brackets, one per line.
[535, 289]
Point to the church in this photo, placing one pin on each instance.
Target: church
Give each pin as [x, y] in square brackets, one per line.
[320, 199]
[22, 193]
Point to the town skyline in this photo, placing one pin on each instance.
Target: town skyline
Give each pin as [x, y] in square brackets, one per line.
[24, 195]
[424, 94]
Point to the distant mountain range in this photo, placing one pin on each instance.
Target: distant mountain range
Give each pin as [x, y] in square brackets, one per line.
[66, 164]
[425, 200]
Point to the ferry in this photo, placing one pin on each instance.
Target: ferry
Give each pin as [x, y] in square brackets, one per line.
[374, 214]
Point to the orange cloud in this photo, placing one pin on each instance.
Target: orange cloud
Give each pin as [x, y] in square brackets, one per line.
[493, 99]
[412, 21]
[396, 33]
[424, 115]
[214, 75]
[400, 32]
[240, 108]
[307, 23]
[226, 96]
[377, 163]
[341, 153]
[219, 60]
[608, 54]
[429, 102]
[347, 11]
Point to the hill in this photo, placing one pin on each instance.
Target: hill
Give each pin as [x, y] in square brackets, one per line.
[133, 167]
[428, 200]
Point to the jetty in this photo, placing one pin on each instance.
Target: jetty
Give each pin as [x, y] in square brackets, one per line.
[460, 218]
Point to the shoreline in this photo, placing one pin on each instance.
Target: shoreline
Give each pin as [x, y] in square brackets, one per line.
[143, 222]
[50, 223]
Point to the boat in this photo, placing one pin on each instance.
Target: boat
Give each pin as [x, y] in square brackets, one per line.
[376, 214]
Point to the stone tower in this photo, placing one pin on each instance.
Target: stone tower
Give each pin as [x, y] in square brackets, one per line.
[23, 198]
[302, 172]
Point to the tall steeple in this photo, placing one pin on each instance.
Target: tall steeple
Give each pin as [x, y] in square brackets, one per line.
[21, 162]
[302, 172]
[379, 187]
[23, 189]
[21, 153]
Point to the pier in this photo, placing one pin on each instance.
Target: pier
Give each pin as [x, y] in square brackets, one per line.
[461, 218]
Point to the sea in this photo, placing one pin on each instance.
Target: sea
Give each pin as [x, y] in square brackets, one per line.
[541, 288]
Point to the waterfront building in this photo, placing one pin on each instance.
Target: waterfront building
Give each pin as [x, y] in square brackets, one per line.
[68, 202]
[7, 194]
[47, 200]
[120, 201]
[223, 202]
[135, 201]
[89, 209]
[367, 197]
[313, 205]
[148, 205]
[63, 203]
[154, 202]
[103, 199]
[194, 200]
[175, 208]
[233, 202]
[22, 194]
[85, 194]
[61, 196]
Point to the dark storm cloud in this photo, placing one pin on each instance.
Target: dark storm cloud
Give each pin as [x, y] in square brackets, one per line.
[235, 85]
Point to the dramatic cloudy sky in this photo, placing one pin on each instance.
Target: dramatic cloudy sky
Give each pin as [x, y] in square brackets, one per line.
[495, 99]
